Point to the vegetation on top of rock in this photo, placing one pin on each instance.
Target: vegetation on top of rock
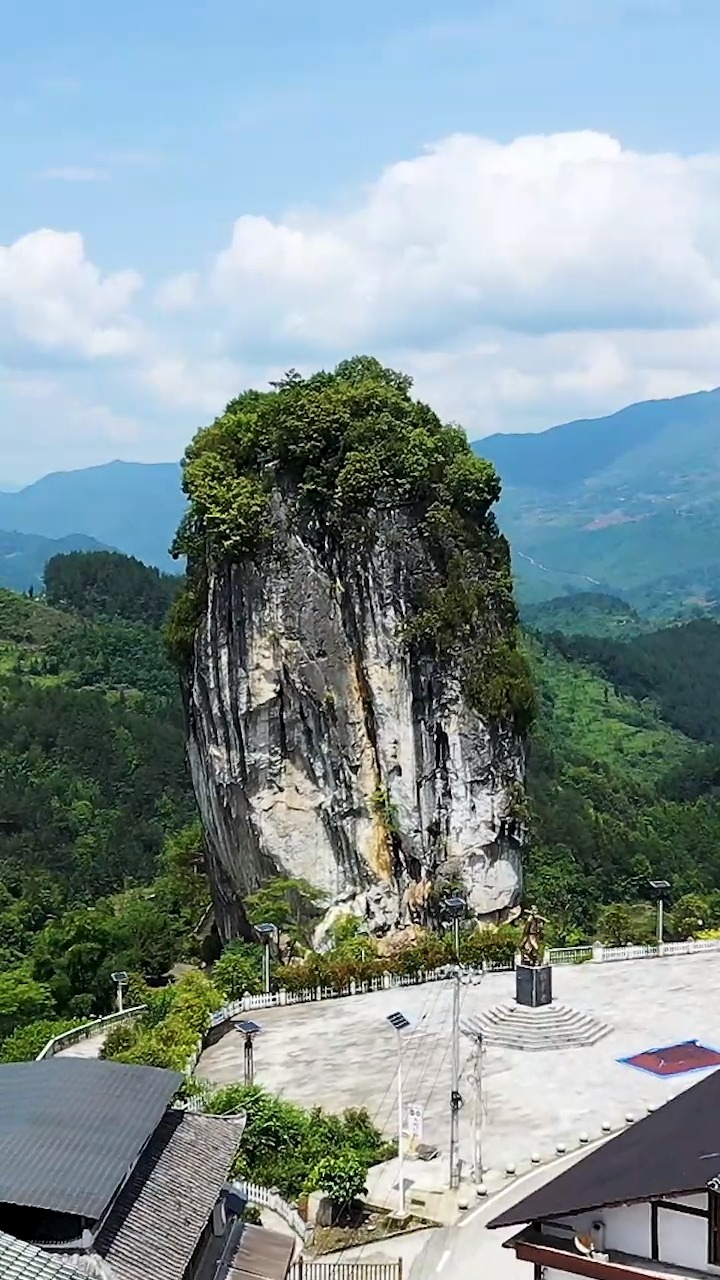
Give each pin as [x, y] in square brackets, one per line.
[342, 450]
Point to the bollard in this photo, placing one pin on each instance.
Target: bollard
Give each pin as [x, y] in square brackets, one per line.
[584, 1138]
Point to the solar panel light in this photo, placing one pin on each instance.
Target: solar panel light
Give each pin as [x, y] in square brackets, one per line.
[265, 928]
[248, 1028]
[455, 905]
[659, 885]
[120, 977]
[398, 1021]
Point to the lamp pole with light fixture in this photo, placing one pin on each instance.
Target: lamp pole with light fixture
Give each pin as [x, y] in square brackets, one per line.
[249, 1030]
[266, 932]
[121, 980]
[455, 906]
[660, 888]
[400, 1023]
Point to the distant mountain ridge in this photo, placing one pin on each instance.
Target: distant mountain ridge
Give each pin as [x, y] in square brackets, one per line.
[132, 506]
[23, 556]
[628, 502]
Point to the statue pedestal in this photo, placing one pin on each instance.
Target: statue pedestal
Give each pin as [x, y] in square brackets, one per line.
[533, 985]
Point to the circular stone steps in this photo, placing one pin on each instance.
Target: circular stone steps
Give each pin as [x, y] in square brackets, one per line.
[555, 1026]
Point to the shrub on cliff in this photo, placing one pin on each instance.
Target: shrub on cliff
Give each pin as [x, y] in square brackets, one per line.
[344, 448]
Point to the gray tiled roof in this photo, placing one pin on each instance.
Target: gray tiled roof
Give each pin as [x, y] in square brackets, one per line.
[71, 1128]
[22, 1261]
[158, 1217]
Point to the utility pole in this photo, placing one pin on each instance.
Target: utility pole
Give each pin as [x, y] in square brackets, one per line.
[400, 1023]
[660, 888]
[455, 1099]
[478, 1110]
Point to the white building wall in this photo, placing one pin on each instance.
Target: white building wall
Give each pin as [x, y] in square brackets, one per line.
[627, 1228]
[682, 1239]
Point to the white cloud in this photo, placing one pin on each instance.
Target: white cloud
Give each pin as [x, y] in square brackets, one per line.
[179, 292]
[544, 234]
[525, 383]
[54, 297]
[195, 383]
[75, 173]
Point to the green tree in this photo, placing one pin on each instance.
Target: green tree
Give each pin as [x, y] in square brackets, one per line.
[26, 1042]
[22, 1000]
[238, 970]
[690, 915]
[292, 905]
[342, 1176]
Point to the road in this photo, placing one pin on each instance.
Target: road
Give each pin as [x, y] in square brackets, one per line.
[89, 1048]
[468, 1249]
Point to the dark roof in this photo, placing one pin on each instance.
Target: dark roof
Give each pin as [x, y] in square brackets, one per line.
[259, 1255]
[22, 1261]
[674, 1149]
[156, 1221]
[72, 1128]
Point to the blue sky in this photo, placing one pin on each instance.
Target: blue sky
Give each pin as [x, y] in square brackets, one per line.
[515, 200]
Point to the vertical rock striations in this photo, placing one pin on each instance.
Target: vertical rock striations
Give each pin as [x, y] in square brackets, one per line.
[356, 700]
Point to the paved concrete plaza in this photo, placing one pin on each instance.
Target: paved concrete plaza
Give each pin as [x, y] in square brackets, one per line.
[342, 1053]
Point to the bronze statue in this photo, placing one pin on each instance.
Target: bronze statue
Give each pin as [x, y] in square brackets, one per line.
[532, 945]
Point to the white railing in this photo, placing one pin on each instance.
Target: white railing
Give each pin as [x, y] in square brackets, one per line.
[569, 955]
[316, 1269]
[86, 1030]
[264, 1198]
[382, 982]
[556, 955]
[597, 953]
[625, 953]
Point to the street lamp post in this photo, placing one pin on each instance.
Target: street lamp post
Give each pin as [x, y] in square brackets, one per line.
[249, 1030]
[400, 1023]
[659, 888]
[455, 906]
[266, 932]
[121, 980]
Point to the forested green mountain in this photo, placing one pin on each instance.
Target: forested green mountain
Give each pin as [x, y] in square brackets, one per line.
[590, 613]
[133, 506]
[625, 503]
[100, 855]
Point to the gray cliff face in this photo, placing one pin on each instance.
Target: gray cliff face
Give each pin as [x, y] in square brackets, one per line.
[319, 749]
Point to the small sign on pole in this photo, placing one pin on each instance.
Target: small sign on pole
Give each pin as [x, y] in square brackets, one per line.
[415, 1122]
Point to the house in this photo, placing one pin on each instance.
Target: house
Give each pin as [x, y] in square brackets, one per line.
[644, 1204]
[100, 1175]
